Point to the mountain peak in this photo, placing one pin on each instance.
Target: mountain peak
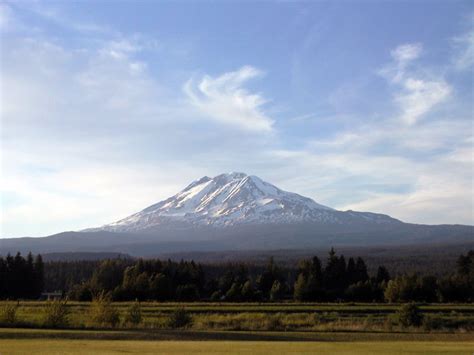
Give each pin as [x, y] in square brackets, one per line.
[234, 175]
[227, 177]
[231, 199]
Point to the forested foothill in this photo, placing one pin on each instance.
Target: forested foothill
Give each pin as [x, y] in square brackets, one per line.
[314, 280]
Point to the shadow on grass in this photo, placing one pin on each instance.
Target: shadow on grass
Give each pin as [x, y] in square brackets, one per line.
[186, 335]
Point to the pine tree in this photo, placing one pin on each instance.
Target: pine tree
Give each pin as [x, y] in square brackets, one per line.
[277, 292]
[234, 293]
[331, 272]
[39, 275]
[316, 271]
[268, 277]
[300, 292]
[351, 271]
[342, 281]
[248, 292]
[30, 277]
[382, 275]
[361, 270]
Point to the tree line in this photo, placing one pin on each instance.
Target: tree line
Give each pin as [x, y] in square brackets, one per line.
[21, 277]
[313, 280]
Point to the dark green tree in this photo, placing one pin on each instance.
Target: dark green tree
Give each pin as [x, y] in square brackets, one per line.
[361, 270]
[271, 274]
[382, 275]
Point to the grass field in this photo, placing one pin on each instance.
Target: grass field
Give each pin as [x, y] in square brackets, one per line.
[58, 346]
[264, 316]
[228, 328]
[38, 341]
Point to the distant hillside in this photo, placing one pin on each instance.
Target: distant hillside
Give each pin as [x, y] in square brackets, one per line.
[71, 256]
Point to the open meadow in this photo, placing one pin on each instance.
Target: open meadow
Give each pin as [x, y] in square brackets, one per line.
[40, 341]
[56, 346]
[227, 328]
[256, 316]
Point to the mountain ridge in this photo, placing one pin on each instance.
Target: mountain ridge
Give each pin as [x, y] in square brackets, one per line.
[237, 211]
[234, 199]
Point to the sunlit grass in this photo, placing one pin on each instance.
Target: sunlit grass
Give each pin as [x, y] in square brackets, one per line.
[262, 316]
[60, 346]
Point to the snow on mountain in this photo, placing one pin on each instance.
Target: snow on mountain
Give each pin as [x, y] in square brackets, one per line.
[236, 199]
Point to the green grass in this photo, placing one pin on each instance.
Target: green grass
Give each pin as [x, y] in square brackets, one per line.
[234, 328]
[192, 335]
[289, 307]
[44, 341]
[61, 346]
[265, 316]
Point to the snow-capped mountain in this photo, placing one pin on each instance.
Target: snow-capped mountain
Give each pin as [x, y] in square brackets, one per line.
[237, 199]
[239, 212]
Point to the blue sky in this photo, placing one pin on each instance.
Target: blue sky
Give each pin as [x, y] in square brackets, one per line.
[108, 107]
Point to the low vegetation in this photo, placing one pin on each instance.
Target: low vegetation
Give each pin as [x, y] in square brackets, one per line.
[179, 318]
[290, 317]
[409, 315]
[56, 314]
[8, 311]
[134, 314]
[102, 313]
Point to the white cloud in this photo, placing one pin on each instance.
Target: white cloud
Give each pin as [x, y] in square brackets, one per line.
[100, 138]
[67, 85]
[80, 193]
[415, 162]
[52, 12]
[10, 23]
[432, 190]
[416, 93]
[419, 97]
[406, 53]
[402, 55]
[390, 137]
[6, 17]
[224, 100]
[464, 44]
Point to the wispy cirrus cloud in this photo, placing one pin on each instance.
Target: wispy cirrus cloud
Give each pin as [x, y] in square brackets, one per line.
[6, 17]
[463, 45]
[465, 56]
[370, 172]
[427, 152]
[52, 13]
[403, 55]
[225, 100]
[416, 94]
[419, 96]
